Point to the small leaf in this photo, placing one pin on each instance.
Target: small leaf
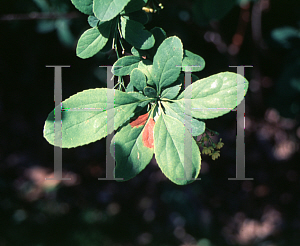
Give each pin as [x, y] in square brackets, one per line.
[150, 92]
[93, 40]
[85, 6]
[93, 21]
[167, 62]
[135, 52]
[172, 91]
[169, 149]
[172, 109]
[84, 119]
[138, 79]
[191, 59]
[125, 65]
[106, 10]
[133, 147]
[216, 95]
[146, 67]
[134, 33]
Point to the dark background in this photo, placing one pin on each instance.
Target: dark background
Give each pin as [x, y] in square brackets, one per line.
[150, 209]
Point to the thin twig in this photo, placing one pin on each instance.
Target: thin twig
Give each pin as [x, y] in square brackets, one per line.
[39, 16]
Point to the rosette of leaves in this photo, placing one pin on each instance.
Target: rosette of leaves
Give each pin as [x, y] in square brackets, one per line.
[150, 118]
[111, 21]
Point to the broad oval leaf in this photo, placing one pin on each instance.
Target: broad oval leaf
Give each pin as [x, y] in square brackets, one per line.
[197, 126]
[125, 65]
[85, 6]
[133, 147]
[176, 151]
[196, 63]
[138, 79]
[216, 95]
[167, 62]
[93, 40]
[106, 10]
[135, 34]
[84, 119]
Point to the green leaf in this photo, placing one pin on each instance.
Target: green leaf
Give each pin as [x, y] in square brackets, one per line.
[108, 45]
[106, 10]
[191, 59]
[167, 62]
[216, 95]
[134, 33]
[138, 79]
[125, 65]
[93, 40]
[169, 148]
[146, 67]
[85, 6]
[159, 36]
[144, 100]
[181, 80]
[150, 92]
[133, 147]
[129, 88]
[93, 21]
[139, 16]
[135, 52]
[172, 91]
[172, 109]
[133, 5]
[85, 118]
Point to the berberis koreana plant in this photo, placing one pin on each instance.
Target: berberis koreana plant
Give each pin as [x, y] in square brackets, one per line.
[150, 114]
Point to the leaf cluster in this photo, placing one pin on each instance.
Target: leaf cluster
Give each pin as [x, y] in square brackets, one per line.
[155, 114]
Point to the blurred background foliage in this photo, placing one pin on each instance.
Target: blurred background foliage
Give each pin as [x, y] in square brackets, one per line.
[149, 209]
